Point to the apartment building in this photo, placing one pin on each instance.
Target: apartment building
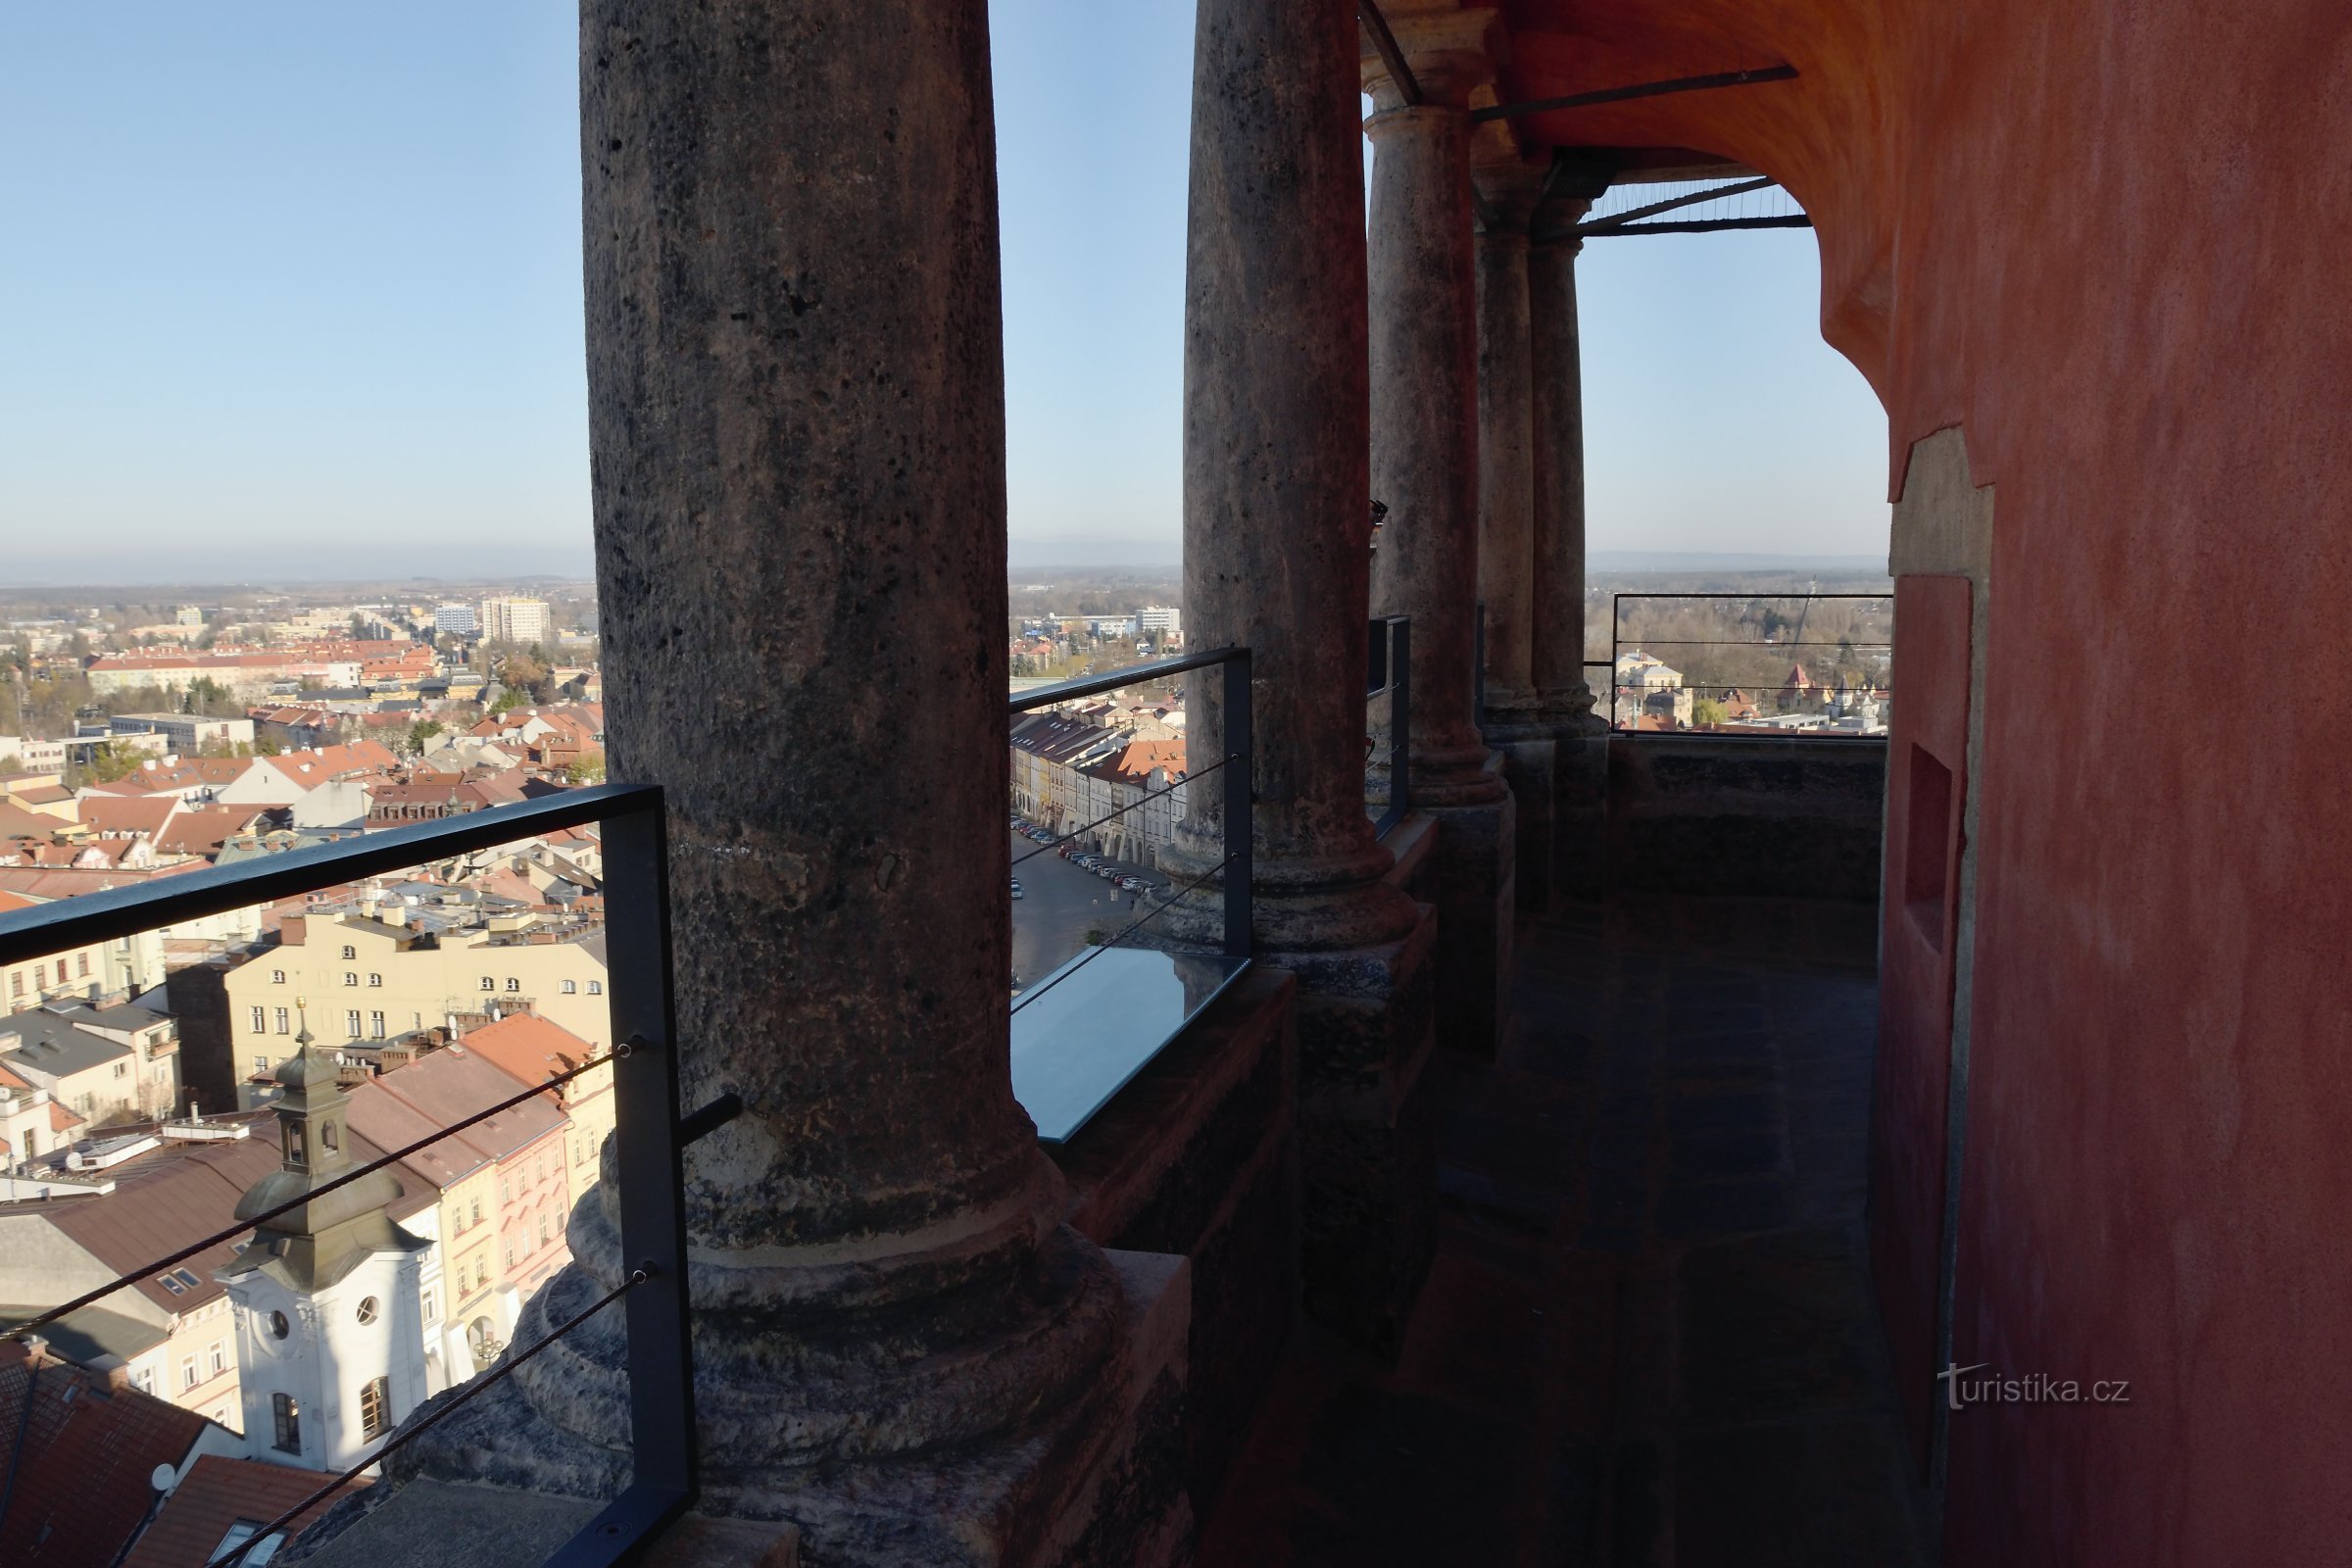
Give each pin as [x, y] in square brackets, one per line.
[366, 980]
[515, 620]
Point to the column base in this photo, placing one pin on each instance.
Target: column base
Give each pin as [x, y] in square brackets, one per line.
[1580, 814]
[1367, 1146]
[1526, 749]
[1098, 1483]
[1471, 877]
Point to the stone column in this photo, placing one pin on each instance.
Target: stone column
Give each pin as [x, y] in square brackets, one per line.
[1275, 557]
[1563, 699]
[1510, 188]
[1425, 467]
[1505, 478]
[795, 389]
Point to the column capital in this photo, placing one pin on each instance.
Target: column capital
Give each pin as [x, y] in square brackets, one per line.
[1452, 51]
[1512, 187]
[1570, 187]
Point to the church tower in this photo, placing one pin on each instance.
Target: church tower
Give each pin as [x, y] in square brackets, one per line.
[330, 1347]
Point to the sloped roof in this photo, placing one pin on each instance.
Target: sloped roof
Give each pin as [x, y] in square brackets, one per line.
[164, 1200]
[217, 1492]
[123, 815]
[451, 1084]
[80, 1484]
[203, 832]
[528, 1048]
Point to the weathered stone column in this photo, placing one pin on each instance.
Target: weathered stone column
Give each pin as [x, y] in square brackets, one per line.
[1275, 534]
[1563, 699]
[796, 424]
[1506, 487]
[1510, 188]
[1424, 320]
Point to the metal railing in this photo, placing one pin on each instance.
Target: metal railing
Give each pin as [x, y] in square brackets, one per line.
[1074, 1045]
[1752, 679]
[650, 1135]
[1390, 674]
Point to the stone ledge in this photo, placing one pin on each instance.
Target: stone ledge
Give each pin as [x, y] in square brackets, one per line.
[450, 1524]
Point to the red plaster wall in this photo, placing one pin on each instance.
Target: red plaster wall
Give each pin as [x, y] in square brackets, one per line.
[1927, 789]
[2113, 240]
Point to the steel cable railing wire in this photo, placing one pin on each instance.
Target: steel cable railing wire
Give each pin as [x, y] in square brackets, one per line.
[31, 1325]
[235, 1556]
[1088, 828]
[1156, 911]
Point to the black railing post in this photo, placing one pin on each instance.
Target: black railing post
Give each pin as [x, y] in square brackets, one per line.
[1400, 716]
[1616, 650]
[650, 1170]
[1241, 807]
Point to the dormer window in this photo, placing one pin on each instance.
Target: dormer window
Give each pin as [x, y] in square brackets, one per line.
[350, 953]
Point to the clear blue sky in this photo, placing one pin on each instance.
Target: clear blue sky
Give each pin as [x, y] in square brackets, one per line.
[297, 286]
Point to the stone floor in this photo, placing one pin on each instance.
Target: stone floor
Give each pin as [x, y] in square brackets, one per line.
[1648, 1337]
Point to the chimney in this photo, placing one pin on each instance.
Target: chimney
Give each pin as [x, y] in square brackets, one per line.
[113, 1370]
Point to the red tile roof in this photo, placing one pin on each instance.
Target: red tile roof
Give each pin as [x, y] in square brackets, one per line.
[215, 1494]
[528, 1048]
[82, 1482]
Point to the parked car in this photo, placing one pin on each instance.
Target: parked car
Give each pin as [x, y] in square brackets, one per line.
[1135, 884]
[1017, 889]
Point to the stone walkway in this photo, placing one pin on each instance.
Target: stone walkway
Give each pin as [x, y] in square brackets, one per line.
[1648, 1337]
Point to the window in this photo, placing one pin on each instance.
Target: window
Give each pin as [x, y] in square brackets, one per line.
[187, 1372]
[350, 953]
[169, 1282]
[261, 1023]
[375, 979]
[327, 1137]
[40, 975]
[369, 1310]
[513, 984]
[288, 1416]
[277, 977]
[544, 1231]
[505, 1191]
[279, 1328]
[481, 1271]
[478, 1210]
[570, 987]
[375, 1407]
[122, 1069]
[260, 1064]
[352, 1019]
[376, 1025]
[16, 982]
[219, 1356]
[424, 1305]
[489, 984]
[240, 1533]
[296, 1155]
[351, 977]
[143, 1379]
[281, 1021]
[82, 964]
[509, 1255]
[596, 988]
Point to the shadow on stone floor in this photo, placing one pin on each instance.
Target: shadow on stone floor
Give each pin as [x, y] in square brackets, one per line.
[1647, 1336]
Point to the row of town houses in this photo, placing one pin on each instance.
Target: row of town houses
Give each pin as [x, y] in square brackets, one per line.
[1111, 773]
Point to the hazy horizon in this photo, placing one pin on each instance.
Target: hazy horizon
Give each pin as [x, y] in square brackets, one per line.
[309, 279]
